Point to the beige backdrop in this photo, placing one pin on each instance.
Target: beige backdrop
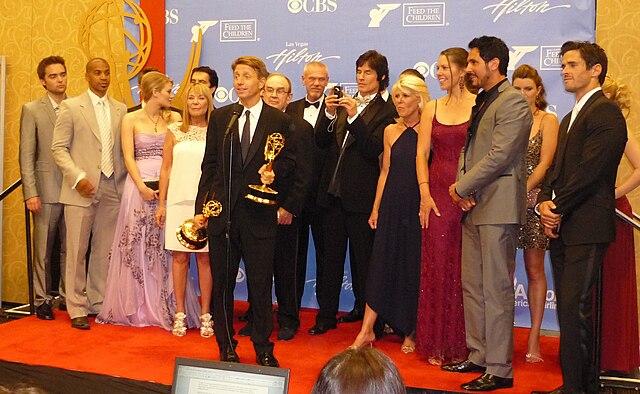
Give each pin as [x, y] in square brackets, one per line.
[31, 30]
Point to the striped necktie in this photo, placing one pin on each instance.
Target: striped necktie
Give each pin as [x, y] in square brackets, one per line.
[105, 139]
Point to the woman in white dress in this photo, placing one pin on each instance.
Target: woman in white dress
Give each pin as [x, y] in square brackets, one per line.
[179, 176]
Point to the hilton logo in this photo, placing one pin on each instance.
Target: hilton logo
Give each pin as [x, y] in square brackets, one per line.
[238, 30]
[423, 14]
[550, 58]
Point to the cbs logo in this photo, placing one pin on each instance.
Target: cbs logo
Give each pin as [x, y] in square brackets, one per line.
[311, 6]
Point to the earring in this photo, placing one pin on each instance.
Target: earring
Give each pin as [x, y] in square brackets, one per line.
[461, 82]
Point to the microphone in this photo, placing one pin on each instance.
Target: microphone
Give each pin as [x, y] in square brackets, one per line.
[234, 117]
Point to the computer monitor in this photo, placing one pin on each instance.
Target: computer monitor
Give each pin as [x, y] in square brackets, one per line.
[193, 376]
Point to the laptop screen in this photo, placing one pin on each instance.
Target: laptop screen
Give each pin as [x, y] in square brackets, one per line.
[193, 376]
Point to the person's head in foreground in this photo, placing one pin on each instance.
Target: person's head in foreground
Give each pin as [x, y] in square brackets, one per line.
[359, 371]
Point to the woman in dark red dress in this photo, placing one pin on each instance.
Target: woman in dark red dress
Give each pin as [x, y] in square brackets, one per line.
[440, 332]
[620, 347]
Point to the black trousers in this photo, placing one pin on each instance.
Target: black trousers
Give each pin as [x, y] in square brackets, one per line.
[257, 254]
[289, 273]
[575, 273]
[342, 228]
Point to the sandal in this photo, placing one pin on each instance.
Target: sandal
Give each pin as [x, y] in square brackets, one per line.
[206, 326]
[533, 358]
[406, 349]
[179, 325]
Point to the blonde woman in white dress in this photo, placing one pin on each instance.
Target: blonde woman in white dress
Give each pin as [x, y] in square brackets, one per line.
[179, 176]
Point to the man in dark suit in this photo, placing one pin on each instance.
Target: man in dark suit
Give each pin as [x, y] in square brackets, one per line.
[292, 192]
[351, 129]
[42, 181]
[245, 229]
[577, 206]
[315, 78]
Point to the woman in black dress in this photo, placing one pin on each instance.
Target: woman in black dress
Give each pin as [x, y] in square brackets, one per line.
[394, 273]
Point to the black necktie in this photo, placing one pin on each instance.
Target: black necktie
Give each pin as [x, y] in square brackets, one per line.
[308, 104]
[246, 137]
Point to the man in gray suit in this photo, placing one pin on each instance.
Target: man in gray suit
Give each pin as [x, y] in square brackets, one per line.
[41, 181]
[491, 190]
[86, 147]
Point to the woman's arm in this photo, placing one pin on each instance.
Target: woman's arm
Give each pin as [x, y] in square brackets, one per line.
[382, 179]
[632, 151]
[422, 164]
[549, 129]
[165, 172]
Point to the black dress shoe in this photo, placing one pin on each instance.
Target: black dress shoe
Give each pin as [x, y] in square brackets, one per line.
[93, 315]
[246, 330]
[286, 333]
[321, 328]
[44, 311]
[62, 306]
[351, 317]
[267, 359]
[244, 317]
[488, 382]
[559, 390]
[464, 366]
[81, 323]
[229, 355]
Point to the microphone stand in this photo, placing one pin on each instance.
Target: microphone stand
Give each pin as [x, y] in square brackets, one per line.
[228, 133]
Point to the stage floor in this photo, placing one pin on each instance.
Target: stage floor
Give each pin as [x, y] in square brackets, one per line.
[148, 353]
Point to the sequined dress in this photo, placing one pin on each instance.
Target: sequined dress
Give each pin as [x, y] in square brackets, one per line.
[139, 289]
[393, 278]
[531, 234]
[440, 333]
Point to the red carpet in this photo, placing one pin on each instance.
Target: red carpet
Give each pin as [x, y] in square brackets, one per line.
[148, 353]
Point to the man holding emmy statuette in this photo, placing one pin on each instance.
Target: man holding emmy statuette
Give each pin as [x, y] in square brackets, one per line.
[235, 158]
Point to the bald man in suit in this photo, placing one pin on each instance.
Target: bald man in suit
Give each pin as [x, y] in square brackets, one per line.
[87, 149]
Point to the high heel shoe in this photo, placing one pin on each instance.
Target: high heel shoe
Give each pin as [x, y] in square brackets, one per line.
[406, 349]
[179, 325]
[206, 326]
[360, 344]
[533, 358]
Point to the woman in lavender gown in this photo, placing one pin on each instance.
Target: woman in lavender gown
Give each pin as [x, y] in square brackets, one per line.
[139, 289]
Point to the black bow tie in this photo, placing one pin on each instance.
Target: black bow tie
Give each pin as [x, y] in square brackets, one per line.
[308, 104]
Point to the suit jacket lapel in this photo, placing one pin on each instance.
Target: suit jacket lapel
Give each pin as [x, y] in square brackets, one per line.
[367, 114]
[48, 108]
[584, 110]
[258, 137]
[89, 114]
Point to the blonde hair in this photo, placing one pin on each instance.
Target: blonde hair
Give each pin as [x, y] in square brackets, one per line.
[414, 85]
[151, 81]
[197, 88]
[617, 92]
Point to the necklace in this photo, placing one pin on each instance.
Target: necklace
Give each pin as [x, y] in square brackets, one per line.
[155, 123]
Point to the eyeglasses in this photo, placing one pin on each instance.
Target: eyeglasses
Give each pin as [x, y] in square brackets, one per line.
[279, 91]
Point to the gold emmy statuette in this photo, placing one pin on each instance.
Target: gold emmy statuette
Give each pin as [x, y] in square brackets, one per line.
[194, 238]
[275, 143]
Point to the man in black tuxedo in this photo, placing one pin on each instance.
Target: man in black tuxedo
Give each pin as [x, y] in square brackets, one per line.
[245, 229]
[292, 192]
[315, 78]
[577, 206]
[351, 129]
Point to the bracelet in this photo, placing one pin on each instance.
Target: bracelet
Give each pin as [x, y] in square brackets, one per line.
[423, 182]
